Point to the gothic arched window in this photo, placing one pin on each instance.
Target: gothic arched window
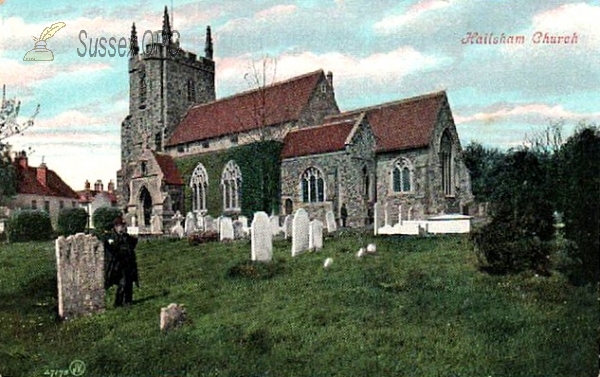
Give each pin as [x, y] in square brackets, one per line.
[366, 183]
[446, 162]
[402, 176]
[199, 186]
[313, 186]
[231, 183]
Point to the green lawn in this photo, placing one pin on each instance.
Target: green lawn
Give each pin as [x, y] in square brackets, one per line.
[419, 307]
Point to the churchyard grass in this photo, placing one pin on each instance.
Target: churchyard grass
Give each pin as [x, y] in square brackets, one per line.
[419, 307]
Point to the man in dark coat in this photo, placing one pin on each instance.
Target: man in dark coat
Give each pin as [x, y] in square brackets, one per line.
[120, 265]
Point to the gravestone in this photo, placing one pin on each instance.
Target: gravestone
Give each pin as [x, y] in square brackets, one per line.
[80, 275]
[239, 230]
[371, 248]
[209, 224]
[243, 220]
[287, 226]
[377, 217]
[226, 229]
[200, 222]
[217, 223]
[330, 220]
[328, 263]
[156, 224]
[315, 235]
[171, 317]
[300, 232]
[190, 223]
[178, 230]
[261, 238]
[274, 221]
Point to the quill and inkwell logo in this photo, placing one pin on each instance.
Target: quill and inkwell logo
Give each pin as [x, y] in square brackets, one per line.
[40, 52]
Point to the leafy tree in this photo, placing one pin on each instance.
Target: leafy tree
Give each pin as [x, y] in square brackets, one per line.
[579, 161]
[481, 163]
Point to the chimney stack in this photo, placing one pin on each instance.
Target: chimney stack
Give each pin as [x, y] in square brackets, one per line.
[98, 186]
[87, 185]
[330, 79]
[111, 187]
[42, 174]
[21, 159]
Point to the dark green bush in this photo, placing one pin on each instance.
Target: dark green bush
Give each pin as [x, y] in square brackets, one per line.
[29, 225]
[103, 219]
[72, 221]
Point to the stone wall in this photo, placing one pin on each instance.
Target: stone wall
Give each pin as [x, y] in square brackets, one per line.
[80, 275]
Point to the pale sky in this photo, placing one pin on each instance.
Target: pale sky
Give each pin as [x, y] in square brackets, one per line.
[378, 51]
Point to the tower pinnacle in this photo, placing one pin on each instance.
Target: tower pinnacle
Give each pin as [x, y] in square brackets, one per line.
[208, 47]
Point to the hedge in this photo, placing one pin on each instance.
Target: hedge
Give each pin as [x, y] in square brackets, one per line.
[72, 221]
[29, 225]
[257, 194]
[103, 219]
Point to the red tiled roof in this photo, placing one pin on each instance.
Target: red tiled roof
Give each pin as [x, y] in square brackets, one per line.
[283, 102]
[404, 124]
[169, 169]
[329, 137]
[27, 183]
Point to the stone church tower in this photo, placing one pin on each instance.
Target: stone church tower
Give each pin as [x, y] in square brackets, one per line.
[164, 81]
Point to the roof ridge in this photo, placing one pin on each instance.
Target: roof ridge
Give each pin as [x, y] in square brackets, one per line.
[255, 90]
[322, 125]
[391, 103]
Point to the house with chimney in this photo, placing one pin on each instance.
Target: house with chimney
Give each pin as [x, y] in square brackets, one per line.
[40, 188]
[92, 199]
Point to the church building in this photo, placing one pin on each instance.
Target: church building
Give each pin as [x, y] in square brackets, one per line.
[278, 147]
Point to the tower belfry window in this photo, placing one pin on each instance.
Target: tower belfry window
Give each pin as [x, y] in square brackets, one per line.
[191, 90]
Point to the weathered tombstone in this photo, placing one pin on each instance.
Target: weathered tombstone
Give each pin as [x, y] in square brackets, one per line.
[239, 231]
[80, 275]
[371, 248]
[243, 220]
[287, 226]
[171, 317]
[274, 221]
[226, 229]
[328, 263]
[177, 218]
[261, 238]
[178, 230]
[190, 223]
[156, 224]
[217, 223]
[315, 235]
[360, 253]
[300, 234]
[378, 217]
[409, 215]
[200, 223]
[209, 224]
[330, 220]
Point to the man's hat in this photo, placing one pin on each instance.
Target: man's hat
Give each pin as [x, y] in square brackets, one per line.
[119, 221]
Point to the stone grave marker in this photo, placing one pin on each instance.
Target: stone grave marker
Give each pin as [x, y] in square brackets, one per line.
[239, 230]
[80, 275]
[190, 223]
[315, 235]
[156, 224]
[226, 230]
[287, 226]
[330, 220]
[261, 238]
[209, 224]
[377, 217]
[200, 222]
[274, 221]
[171, 317]
[243, 220]
[300, 234]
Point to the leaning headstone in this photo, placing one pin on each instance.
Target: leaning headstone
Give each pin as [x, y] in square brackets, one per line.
[226, 229]
[172, 317]
[274, 221]
[330, 219]
[239, 230]
[300, 234]
[80, 275]
[377, 217]
[261, 238]
[287, 226]
[328, 263]
[156, 224]
[315, 235]
[190, 223]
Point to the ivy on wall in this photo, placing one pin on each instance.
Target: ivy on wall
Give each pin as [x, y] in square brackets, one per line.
[260, 167]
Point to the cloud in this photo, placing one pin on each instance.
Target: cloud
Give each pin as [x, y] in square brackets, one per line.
[532, 113]
[276, 11]
[392, 23]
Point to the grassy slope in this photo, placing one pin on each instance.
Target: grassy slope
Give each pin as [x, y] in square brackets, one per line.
[418, 308]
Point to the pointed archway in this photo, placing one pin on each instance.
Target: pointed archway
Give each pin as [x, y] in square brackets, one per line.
[145, 204]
